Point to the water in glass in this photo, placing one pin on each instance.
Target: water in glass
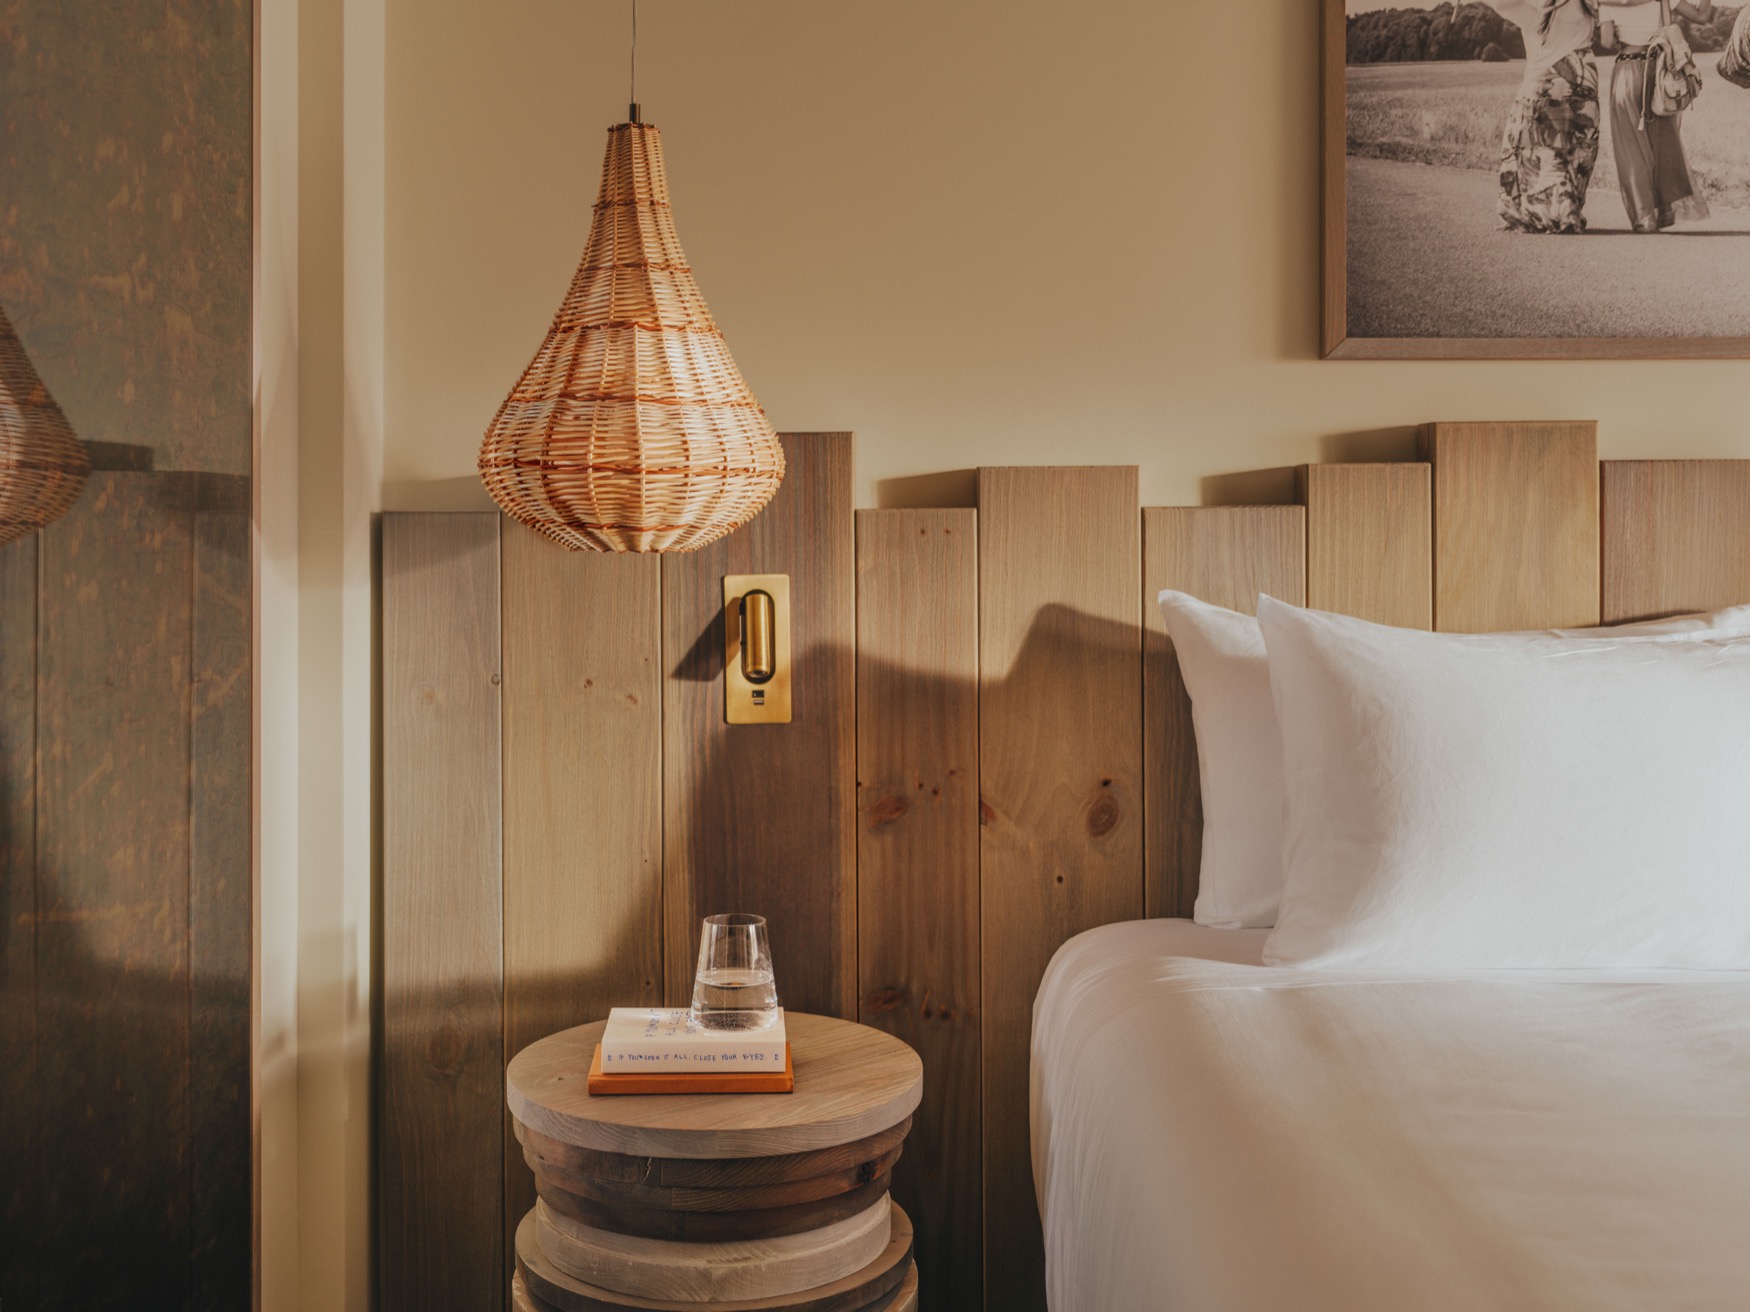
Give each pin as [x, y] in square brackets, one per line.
[735, 988]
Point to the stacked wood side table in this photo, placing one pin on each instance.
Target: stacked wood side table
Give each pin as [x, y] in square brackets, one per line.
[718, 1202]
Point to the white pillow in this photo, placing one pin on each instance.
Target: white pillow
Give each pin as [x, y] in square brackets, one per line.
[1239, 760]
[1510, 800]
[1239, 748]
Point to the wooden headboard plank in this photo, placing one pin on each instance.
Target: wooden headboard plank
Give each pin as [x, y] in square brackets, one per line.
[442, 1087]
[1060, 748]
[1370, 541]
[1676, 537]
[917, 863]
[1515, 525]
[1225, 555]
[582, 698]
[761, 818]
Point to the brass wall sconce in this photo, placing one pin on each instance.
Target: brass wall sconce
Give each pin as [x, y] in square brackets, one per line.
[756, 648]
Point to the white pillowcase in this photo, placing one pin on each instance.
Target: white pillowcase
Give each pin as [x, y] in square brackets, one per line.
[1239, 748]
[1239, 759]
[1510, 800]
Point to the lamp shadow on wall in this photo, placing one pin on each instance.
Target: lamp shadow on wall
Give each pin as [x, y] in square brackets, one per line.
[1078, 813]
[92, 1212]
[124, 887]
[1067, 654]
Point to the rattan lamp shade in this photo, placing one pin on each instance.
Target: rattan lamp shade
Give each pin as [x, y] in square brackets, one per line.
[43, 467]
[632, 430]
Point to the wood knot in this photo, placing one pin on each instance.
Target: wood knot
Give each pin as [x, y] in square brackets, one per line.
[887, 810]
[987, 814]
[885, 999]
[1102, 815]
[445, 1050]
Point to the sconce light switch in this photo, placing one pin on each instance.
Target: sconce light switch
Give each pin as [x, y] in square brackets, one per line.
[756, 648]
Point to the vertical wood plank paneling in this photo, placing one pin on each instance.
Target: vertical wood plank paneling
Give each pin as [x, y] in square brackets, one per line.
[1515, 525]
[441, 1155]
[582, 797]
[1060, 747]
[220, 912]
[113, 894]
[1227, 556]
[1370, 541]
[19, 1205]
[917, 861]
[760, 818]
[1676, 537]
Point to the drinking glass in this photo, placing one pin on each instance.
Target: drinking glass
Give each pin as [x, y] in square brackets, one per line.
[735, 988]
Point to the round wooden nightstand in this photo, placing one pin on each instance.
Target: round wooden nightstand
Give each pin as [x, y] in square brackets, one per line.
[718, 1202]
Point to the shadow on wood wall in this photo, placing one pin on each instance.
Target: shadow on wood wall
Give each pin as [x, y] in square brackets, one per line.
[125, 729]
[856, 830]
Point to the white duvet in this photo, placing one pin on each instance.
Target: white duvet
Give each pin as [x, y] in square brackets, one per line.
[1216, 1137]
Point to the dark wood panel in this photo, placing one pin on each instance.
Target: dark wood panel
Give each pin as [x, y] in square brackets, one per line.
[1676, 537]
[917, 861]
[1060, 747]
[1515, 525]
[19, 1204]
[220, 897]
[113, 866]
[441, 1154]
[582, 797]
[759, 818]
[1227, 556]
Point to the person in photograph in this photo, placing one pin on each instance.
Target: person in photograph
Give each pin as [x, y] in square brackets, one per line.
[1651, 169]
[1550, 143]
[1735, 60]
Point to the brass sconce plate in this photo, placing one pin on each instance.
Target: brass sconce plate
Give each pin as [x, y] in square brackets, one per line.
[756, 648]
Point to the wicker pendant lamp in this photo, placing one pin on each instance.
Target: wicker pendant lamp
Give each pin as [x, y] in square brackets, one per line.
[43, 467]
[632, 430]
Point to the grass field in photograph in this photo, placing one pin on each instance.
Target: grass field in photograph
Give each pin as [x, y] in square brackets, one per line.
[1452, 114]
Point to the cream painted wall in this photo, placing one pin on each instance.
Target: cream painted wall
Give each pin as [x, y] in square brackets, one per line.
[974, 232]
[277, 616]
[319, 417]
[340, 287]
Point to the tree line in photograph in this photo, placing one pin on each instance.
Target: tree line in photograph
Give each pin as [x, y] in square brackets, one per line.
[1475, 32]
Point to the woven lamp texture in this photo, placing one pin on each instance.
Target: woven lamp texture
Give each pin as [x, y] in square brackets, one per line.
[43, 467]
[632, 429]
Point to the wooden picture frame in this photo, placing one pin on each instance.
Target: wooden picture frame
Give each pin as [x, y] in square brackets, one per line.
[1338, 340]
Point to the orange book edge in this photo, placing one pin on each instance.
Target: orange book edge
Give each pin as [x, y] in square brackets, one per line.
[709, 1082]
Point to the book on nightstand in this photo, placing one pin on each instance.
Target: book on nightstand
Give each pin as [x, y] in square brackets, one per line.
[664, 1050]
[670, 1041]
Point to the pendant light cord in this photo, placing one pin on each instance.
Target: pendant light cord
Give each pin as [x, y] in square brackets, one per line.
[634, 112]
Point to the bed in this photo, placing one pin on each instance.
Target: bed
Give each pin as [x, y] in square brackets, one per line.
[1484, 1038]
[1212, 1133]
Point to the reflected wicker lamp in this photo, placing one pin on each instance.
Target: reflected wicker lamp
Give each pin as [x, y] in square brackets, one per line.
[632, 430]
[43, 467]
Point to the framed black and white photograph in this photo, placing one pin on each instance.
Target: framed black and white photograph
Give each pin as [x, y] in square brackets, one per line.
[1536, 179]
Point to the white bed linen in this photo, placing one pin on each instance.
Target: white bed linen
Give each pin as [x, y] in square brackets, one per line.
[1220, 1137]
